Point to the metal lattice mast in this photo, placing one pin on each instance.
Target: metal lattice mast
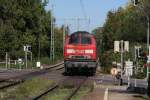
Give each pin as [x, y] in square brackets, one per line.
[52, 37]
[53, 42]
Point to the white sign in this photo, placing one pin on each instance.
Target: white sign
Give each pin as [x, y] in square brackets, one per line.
[24, 48]
[38, 64]
[118, 64]
[128, 68]
[116, 46]
[27, 48]
[20, 61]
[128, 71]
[129, 64]
[126, 46]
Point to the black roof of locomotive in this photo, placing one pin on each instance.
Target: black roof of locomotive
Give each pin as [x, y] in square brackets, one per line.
[81, 32]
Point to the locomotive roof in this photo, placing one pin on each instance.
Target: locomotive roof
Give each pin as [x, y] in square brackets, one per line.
[81, 32]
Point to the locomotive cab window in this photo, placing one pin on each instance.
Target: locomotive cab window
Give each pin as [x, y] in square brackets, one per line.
[85, 39]
[74, 39]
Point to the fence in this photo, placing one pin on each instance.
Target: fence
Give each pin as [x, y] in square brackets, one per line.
[8, 63]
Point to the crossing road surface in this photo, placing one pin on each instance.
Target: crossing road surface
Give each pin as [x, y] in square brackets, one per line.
[109, 78]
[112, 94]
[105, 89]
[120, 96]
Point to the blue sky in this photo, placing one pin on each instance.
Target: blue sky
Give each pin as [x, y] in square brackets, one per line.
[96, 10]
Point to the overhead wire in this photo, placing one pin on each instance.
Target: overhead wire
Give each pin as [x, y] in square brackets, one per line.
[83, 9]
[84, 13]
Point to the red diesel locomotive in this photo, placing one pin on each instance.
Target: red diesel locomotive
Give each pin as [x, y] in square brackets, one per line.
[80, 53]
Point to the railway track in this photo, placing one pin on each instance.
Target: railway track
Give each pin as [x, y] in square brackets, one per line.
[46, 92]
[56, 86]
[13, 81]
[11, 84]
[76, 89]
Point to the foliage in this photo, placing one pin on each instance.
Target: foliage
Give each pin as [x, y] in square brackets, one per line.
[25, 22]
[127, 23]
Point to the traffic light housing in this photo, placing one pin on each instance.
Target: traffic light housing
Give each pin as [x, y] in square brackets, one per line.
[141, 53]
[27, 48]
[136, 2]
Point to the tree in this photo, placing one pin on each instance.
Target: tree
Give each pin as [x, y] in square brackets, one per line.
[24, 22]
[128, 23]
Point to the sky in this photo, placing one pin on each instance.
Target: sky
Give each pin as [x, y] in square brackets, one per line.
[70, 11]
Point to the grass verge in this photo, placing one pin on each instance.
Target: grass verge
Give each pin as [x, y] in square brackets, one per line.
[62, 93]
[58, 94]
[82, 92]
[27, 90]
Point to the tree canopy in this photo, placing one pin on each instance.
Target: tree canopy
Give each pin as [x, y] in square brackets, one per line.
[127, 23]
[24, 22]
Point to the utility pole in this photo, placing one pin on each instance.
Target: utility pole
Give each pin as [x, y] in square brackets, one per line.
[121, 46]
[122, 62]
[53, 46]
[148, 72]
[64, 33]
[136, 55]
[6, 60]
[39, 47]
[136, 2]
[52, 36]
[26, 60]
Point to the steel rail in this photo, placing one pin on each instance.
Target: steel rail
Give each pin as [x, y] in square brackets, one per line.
[51, 88]
[11, 84]
[46, 92]
[76, 90]
[24, 77]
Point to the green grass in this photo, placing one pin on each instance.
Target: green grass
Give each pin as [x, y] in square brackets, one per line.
[27, 90]
[35, 86]
[62, 93]
[82, 92]
[4, 83]
[17, 66]
[2, 65]
[46, 60]
[32, 65]
[58, 94]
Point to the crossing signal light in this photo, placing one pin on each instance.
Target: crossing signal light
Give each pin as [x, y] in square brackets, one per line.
[141, 53]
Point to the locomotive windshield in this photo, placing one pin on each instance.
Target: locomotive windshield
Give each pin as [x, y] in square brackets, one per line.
[74, 39]
[85, 39]
[80, 38]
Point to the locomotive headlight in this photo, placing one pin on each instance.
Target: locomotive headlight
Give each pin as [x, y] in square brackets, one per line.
[70, 51]
[89, 51]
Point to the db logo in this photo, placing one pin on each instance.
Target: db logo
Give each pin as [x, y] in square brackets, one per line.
[114, 71]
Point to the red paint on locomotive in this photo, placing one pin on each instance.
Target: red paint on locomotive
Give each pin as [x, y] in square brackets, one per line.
[80, 52]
